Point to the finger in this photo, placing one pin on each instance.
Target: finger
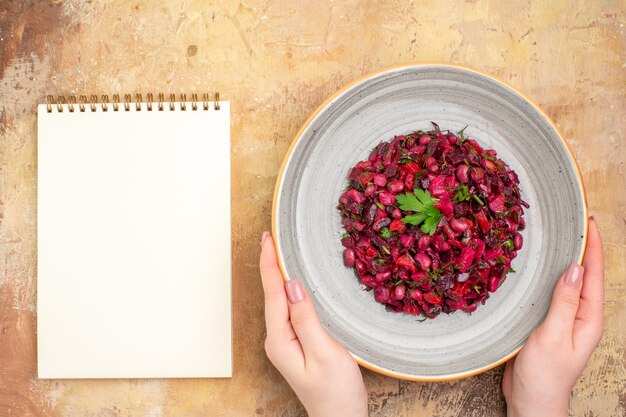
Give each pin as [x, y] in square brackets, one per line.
[590, 317]
[592, 296]
[507, 378]
[276, 310]
[313, 338]
[565, 300]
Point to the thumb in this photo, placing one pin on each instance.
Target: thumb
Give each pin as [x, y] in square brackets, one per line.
[312, 336]
[565, 302]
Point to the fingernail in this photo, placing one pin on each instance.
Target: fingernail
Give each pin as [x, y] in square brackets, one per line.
[294, 291]
[573, 275]
[263, 237]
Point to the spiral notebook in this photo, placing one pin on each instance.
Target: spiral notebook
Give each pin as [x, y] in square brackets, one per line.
[134, 273]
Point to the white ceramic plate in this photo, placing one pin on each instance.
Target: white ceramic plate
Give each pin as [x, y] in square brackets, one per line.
[399, 100]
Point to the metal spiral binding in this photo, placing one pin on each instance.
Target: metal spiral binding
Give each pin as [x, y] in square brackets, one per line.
[94, 102]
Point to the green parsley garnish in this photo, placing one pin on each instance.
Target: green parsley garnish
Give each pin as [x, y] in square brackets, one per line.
[508, 244]
[511, 270]
[460, 135]
[345, 235]
[478, 200]
[423, 205]
[462, 194]
[385, 233]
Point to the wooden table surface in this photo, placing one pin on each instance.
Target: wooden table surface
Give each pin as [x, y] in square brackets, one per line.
[277, 61]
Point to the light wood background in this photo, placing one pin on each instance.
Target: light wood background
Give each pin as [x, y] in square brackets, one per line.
[277, 61]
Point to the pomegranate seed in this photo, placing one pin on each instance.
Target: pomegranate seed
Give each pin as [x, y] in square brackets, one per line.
[349, 257]
[459, 225]
[423, 260]
[461, 173]
[383, 276]
[418, 276]
[477, 174]
[423, 242]
[416, 294]
[518, 240]
[470, 308]
[399, 292]
[424, 140]
[494, 281]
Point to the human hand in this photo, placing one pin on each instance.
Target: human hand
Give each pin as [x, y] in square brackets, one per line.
[321, 372]
[538, 382]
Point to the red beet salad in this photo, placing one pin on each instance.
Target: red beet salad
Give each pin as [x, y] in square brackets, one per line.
[432, 222]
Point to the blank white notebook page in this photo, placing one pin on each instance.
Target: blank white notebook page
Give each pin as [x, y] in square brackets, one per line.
[134, 250]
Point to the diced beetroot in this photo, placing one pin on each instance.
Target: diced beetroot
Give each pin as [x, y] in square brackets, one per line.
[418, 276]
[407, 240]
[349, 257]
[382, 294]
[409, 181]
[380, 180]
[436, 186]
[424, 140]
[496, 204]
[491, 254]
[406, 262]
[477, 174]
[439, 244]
[396, 213]
[449, 182]
[479, 248]
[482, 221]
[366, 177]
[465, 260]
[432, 298]
[383, 276]
[446, 207]
[412, 309]
[411, 168]
[386, 198]
[396, 186]
[352, 195]
[397, 226]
